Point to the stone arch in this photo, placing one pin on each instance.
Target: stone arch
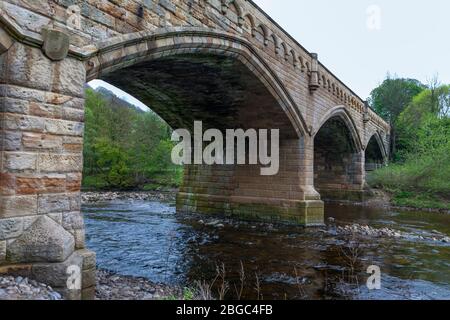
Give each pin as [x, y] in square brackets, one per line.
[119, 53]
[338, 157]
[233, 7]
[276, 43]
[345, 116]
[286, 51]
[376, 139]
[294, 58]
[264, 33]
[249, 24]
[130, 65]
[302, 63]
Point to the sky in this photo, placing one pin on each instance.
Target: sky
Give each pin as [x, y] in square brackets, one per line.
[361, 41]
[121, 94]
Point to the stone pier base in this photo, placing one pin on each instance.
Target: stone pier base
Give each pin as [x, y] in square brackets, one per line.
[74, 278]
[307, 213]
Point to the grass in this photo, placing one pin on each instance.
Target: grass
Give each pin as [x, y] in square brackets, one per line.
[188, 295]
[423, 182]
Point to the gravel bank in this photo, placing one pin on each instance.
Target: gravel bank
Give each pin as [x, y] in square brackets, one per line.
[94, 197]
[111, 286]
[18, 288]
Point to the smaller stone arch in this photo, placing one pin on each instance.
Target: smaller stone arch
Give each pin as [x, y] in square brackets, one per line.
[294, 58]
[250, 22]
[276, 42]
[265, 32]
[345, 116]
[286, 51]
[307, 66]
[324, 81]
[235, 8]
[378, 136]
[302, 63]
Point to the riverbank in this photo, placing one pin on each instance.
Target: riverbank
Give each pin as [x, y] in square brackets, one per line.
[379, 199]
[386, 200]
[102, 196]
[110, 286]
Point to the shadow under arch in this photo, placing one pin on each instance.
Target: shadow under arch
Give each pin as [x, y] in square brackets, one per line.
[133, 49]
[338, 157]
[342, 113]
[375, 153]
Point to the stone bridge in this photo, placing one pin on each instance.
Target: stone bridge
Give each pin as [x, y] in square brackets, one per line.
[226, 63]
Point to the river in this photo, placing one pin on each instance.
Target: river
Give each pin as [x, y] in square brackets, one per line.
[148, 239]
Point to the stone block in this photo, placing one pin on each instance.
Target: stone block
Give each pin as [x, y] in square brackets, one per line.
[71, 75]
[89, 258]
[57, 274]
[51, 203]
[63, 127]
[73, 220]
[14, 161]
[16, 206]
[2, 251]
[29, 67]
[56, 44]
[41, 141]
[10, 228]
[23, 122]
[43, 241]
[88, 293]
[60, 163]
[88, 279]
[12, 141]
[80, 239]
[5, 41]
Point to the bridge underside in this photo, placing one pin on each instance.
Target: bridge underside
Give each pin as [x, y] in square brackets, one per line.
[222, 93]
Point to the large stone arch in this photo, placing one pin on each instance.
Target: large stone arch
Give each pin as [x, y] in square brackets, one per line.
[246, 192]
[133, 49]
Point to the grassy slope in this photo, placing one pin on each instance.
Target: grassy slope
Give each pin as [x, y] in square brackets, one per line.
[419, 183]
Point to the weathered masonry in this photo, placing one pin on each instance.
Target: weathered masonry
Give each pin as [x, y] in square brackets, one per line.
[225, 63]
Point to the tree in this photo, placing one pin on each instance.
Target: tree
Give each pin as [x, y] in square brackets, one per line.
[391, 98]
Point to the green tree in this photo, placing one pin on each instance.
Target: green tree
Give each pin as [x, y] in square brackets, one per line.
[125, 147]
[391, 98]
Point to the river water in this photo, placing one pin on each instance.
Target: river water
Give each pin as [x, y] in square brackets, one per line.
[148, 239]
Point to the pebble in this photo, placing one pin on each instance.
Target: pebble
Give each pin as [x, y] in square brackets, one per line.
[93, 197]
[20, 288]
[111, 286]
[387, 233]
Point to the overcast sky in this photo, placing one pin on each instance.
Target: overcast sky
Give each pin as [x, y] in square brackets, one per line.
[360, 41]
[412, 38]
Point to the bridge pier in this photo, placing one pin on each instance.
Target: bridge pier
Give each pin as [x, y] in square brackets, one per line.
[41, 144]
[241, 191]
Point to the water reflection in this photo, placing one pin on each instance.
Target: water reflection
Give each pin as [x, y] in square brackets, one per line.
[148, 239]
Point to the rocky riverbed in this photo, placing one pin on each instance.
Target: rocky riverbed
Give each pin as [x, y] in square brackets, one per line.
[370, 232]
[110, 286]
[98, 197]
[19, 288]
